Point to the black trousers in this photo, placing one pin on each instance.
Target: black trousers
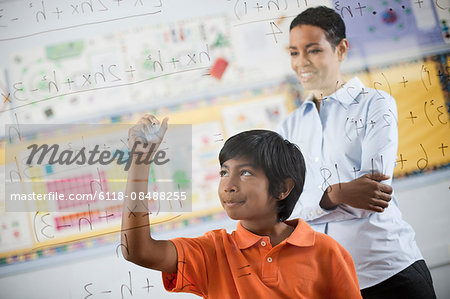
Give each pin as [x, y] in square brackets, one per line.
[411, 283]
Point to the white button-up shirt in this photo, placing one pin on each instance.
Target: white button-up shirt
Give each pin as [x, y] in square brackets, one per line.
[355, 133]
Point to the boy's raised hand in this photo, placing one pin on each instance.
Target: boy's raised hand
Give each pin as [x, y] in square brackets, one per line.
[141, 248]
[147, 131]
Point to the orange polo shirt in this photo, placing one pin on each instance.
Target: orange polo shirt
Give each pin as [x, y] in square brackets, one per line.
[307, 264]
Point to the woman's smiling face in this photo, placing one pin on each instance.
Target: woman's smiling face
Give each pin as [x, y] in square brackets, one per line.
[315, 61]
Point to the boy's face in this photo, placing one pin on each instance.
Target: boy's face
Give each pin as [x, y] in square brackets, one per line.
[314, 60]
[244, 191]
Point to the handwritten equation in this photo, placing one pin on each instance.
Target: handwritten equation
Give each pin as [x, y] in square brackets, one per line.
[40, 14]
[380, 17]
[53, 85]
[130, 288]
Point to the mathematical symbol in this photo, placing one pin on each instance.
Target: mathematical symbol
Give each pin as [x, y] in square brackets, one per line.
[355, 171]
[86, 80]
[132, 212]
[170, 282]
[173, 61]
[358, 128]
[426, 114]
[411, 117]
[105, 292]
[15, 19]
[372, 123]
[69, 82]
[88, 284]
[404, 81]
[6, 97]
[107, 216]
[191, 58]
[274, 33]
[424, 70]
[401, 160]
[61, 226]
[58, 12]
[360, 8]
[325, 172]
[148, 286]
[131, 71]
[363, 92]
[135, 4]
[75, 9]
[442, 147]
[419, 2]
[207, 72]
[336, 5]
[258, 6]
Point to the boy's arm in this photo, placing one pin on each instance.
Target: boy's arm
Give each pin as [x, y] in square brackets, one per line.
[138, 245]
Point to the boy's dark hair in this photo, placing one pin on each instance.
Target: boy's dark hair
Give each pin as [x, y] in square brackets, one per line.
[326, 18]
[278, 158]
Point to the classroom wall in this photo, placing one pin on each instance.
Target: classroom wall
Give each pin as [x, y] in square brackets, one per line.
[50, 41]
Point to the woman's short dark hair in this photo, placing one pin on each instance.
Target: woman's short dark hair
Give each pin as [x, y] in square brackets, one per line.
[324, 17]
[278, 158]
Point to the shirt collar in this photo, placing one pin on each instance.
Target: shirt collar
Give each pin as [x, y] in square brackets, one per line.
[302, 236]
[346, 94]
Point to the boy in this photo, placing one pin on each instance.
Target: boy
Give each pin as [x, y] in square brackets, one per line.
[348, 134]
[262, 176]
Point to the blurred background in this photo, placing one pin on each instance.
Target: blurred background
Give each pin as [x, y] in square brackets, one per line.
[221, 66]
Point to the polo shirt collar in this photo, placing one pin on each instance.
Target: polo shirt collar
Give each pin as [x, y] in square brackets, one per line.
[245, 238]
[302, 236]
[346, 94]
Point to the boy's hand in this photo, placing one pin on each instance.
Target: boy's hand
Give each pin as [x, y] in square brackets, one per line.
[147, 131]
[365, 192]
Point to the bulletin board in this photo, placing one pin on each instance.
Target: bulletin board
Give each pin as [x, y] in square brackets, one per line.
[421, 92]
